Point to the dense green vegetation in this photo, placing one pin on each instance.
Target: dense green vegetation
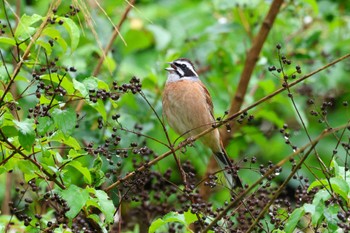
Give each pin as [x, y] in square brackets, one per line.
[84, 146]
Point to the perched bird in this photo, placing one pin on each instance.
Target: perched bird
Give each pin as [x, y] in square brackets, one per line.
[188, 108]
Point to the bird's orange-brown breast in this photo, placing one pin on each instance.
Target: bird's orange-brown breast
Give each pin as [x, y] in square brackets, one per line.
[188, 109]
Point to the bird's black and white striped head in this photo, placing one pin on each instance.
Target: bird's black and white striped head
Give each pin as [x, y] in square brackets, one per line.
[180, 69]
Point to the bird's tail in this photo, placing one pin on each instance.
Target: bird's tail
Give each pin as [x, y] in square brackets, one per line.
[229, 172]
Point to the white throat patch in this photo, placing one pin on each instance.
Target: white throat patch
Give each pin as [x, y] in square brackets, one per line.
[174, 77]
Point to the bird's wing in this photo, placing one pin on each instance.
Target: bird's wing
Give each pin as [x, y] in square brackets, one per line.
[208, 100]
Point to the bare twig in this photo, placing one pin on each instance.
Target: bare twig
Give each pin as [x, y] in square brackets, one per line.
[283, 185]
[240, 197]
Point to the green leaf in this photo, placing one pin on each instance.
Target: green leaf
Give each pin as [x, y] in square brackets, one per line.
[340, 171]
[2, 170]
[65, 120]
[6, 119]
[340, 186]
[157, 224]
[26, 134]
[317, 183]
[73, 30]
[6, 40]
[330, 214]
[44, 125]
[317, 208]
[44, 100]
[69, 141]
[64, 82]
[97, 163]
[103, 203]
[316, 212]
[28, 168]
[23, 30]
[83, 170]
[162, 36]
[81, 88]
[106, 205]
[76, 198]
[314, 5]
[56, 36]
[97, 174]
[73, 153]
[11, 41]
[92, 83]
[45, 45]
[335, 167]
[137, 40]
[100, 108]
[4, 77]
[170, 218]
[9, 131]
[97, 220]
[294, 219]
[190, 217]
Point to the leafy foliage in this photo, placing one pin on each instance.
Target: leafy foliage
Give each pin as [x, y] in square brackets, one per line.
[84, 147]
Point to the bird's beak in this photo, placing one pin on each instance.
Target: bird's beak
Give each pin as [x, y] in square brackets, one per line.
[171, 68]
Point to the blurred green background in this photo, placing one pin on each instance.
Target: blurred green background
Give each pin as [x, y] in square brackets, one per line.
[216, 36]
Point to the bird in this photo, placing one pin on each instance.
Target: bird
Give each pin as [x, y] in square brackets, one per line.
[188, 109]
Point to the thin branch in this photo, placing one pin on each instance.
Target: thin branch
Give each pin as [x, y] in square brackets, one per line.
[230, 118]
[38, 165]
[240, 197]
[171, 147]
[281, 187]
[25, 55]
[115, 34]
[252, 58]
